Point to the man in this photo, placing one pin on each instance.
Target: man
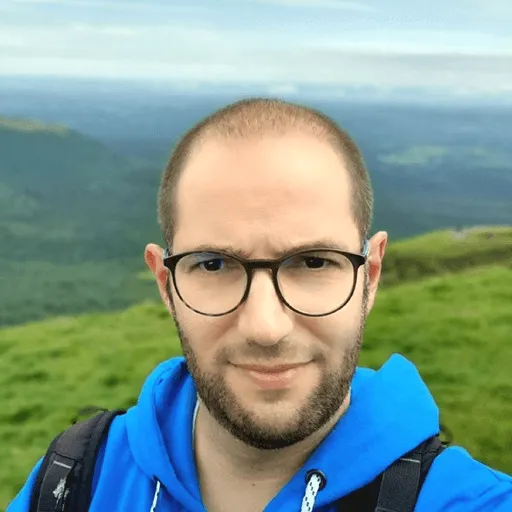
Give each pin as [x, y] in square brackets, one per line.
[266, 209]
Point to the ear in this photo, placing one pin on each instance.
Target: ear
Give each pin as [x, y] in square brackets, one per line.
[153, 255]
[378, 244]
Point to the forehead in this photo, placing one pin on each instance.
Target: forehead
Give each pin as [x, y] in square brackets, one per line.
[263, 195]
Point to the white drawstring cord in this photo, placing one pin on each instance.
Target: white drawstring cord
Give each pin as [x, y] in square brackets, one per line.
[155, 497]
[314, 483]
[158, 484]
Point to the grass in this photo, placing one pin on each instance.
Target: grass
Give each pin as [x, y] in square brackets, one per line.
[455, 328]
[45, 289]
[446, 251]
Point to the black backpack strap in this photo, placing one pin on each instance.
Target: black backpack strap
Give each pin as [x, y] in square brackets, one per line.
[402, 481]
[64, 481]
[399, 483]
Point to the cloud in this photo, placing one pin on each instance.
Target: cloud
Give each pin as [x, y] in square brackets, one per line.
[417, 42]
[67, 3]
[108, 30]
[293, 69]
[322, 4]
[497, 8]
[284, 89]
[232, 44]
[150, 7]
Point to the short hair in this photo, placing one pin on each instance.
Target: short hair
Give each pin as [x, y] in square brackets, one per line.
[258, 117]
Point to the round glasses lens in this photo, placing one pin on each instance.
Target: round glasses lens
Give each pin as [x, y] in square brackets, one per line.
[210, 283]
[316, 282]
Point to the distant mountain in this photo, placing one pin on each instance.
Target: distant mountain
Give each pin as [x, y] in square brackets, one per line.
[74, 219]
[60, 187]
[433, 165]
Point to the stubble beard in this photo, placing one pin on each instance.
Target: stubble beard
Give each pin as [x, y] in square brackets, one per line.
[323, 403]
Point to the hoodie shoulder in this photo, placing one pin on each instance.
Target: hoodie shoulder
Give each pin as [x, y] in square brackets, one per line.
[21, 503]
[459, 483]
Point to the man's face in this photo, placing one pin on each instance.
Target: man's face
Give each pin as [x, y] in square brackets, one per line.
[264, 197]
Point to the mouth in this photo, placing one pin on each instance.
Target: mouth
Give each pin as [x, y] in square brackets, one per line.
[275, 368]
[273, 376]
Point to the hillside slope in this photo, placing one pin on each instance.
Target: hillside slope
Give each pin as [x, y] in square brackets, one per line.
[455, 328]
[74, 219]
[446, 251]
[59, 187]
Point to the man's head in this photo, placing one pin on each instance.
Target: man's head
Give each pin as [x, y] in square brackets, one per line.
[261, 178]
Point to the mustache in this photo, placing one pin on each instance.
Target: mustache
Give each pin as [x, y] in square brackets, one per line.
[255, 352]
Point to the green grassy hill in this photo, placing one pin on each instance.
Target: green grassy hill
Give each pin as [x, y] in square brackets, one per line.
[456, 328]
[440, 252]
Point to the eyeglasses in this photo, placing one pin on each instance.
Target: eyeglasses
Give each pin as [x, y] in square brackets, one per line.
[316, 282]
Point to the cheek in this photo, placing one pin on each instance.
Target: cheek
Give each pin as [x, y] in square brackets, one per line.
[204, 334]
[337, 332]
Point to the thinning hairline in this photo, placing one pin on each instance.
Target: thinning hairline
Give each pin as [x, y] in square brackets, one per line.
[208, 135]
[317, 130]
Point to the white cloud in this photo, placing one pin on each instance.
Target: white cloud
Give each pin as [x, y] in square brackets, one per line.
[103, 6]
[108, 30]
[293, 69]
[281, 57]
[68, 3]
[322, 4]
[283, 90]
[413, 42]
[497, 8]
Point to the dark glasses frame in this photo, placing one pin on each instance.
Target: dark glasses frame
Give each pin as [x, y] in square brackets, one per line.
[250, 265]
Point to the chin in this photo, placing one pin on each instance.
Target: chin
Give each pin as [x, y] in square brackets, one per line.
[273, 409]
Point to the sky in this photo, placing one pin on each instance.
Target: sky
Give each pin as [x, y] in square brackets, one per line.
[463, 46]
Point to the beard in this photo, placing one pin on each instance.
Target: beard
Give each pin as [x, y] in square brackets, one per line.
[320, 407]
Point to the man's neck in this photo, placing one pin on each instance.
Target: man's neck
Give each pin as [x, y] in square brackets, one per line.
[217, 452]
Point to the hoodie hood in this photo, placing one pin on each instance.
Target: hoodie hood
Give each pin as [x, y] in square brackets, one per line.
[391, 412]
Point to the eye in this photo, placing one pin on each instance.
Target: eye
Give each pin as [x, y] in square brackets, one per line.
[315, 262]
[307, 261]
[212, 265]
[207, 261]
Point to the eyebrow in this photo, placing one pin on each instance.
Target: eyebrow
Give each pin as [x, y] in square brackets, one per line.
[325, 243]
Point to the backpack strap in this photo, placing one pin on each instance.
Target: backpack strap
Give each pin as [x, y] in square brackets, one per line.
[398, 486]
[64, 481]
[402, 481]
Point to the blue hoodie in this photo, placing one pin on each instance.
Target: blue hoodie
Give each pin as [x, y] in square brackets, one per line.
[147, 463]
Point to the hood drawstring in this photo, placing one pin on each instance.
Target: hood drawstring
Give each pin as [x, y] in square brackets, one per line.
[315, 482]
[155, 497]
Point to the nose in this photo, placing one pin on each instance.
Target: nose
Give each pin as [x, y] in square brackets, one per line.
[263, 318]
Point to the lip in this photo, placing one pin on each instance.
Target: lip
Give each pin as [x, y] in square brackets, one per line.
[273, 377]
[278, 368]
